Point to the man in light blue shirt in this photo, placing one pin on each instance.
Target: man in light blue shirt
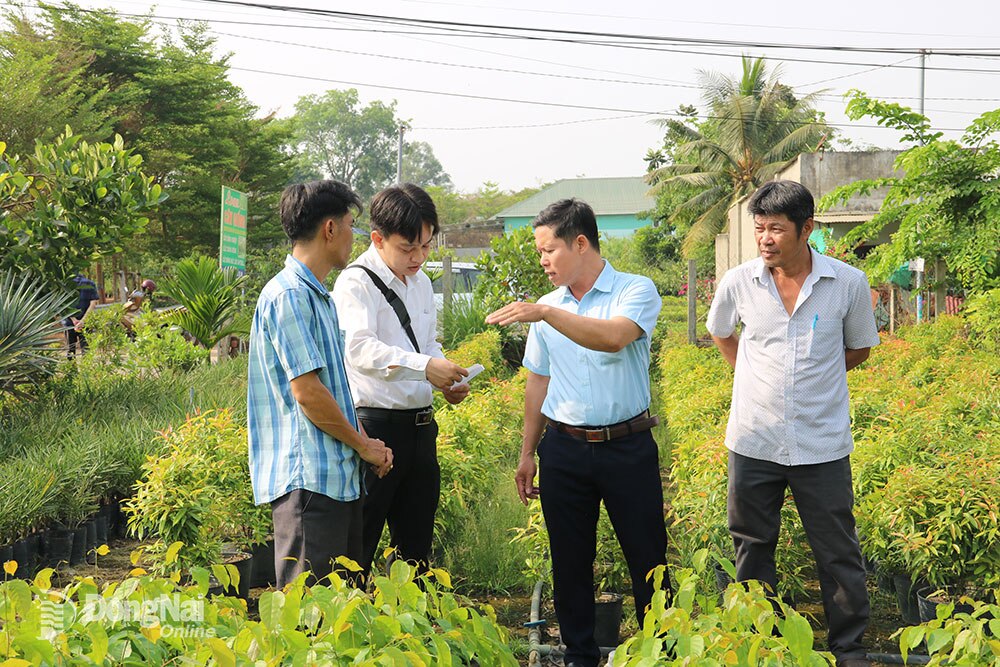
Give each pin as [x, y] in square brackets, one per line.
[588, 390]
[306, 452]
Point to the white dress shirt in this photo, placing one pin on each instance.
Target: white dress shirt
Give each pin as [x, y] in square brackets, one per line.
[790, 401]
[382, 366]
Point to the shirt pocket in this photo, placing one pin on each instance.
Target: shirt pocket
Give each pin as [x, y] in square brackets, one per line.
[825, 338]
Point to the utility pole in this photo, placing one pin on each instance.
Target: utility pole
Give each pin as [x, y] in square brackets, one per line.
[920, 261]
[399, 154]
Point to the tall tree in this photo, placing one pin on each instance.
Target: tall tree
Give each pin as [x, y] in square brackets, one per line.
[422, 167]
[171, 100]
[755, 125]
[946, 203]
[343, 140]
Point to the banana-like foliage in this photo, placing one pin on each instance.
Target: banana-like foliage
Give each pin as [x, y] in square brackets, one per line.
[211, 300]
[29, 330]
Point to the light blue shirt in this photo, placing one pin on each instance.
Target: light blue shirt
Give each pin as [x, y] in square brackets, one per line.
[790, 400]
[295, 331]
[586, 387]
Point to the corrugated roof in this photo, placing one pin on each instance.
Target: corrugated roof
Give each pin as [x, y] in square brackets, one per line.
[607, 196]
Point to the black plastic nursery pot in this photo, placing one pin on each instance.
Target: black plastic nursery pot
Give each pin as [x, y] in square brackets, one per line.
[101, 529]
[58, 547]
[906, 597]
[608, 619]
[79, 552]
[929, 598]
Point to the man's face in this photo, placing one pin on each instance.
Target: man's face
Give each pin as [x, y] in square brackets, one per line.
[340, 238]
[778, 240]
[561, 261]
[404, 258]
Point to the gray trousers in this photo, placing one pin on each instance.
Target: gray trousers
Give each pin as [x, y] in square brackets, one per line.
[310, 531]
[825, 500]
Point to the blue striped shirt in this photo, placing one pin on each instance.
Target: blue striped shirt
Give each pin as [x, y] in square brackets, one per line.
[295, 331]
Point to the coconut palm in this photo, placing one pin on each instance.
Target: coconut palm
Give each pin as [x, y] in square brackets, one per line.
[211, 300]
[30, 330]
[755, 126]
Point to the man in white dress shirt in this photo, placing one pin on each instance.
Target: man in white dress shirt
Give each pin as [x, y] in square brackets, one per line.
[393, 369]
[807, 319]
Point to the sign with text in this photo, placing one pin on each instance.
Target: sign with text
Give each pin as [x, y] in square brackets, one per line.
[233, 230]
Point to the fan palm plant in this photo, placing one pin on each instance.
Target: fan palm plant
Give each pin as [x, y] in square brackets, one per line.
[756, 125]
[29, 331]
[211, 300]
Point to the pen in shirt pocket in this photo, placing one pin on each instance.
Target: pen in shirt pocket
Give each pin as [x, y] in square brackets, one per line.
[815, 320]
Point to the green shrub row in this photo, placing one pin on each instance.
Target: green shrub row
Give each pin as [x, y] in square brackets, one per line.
[152, 621]
[926, 423]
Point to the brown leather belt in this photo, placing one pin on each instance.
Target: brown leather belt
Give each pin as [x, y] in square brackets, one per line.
[638, 424]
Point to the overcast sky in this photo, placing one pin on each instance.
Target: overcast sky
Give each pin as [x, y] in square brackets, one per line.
[591, 105]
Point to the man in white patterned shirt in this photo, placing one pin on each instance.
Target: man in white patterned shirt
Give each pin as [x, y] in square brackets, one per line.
[393, 369]
[807, 319]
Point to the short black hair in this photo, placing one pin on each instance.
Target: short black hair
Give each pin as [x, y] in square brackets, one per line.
[786, 198]
[304, 206]
[570, 218]
[403, 209]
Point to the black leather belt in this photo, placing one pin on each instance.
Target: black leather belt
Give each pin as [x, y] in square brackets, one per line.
[638, 424]
[417, 416]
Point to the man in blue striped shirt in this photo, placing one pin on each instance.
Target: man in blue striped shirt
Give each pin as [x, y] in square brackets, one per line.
[306, 449]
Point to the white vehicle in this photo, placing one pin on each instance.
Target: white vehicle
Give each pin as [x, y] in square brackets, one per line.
[464, 278]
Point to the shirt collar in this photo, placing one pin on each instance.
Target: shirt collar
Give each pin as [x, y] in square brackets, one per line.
[305, 274]
[822, 267]
[374, 261]
[605, 281]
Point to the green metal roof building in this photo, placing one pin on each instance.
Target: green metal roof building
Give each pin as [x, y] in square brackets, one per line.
[617, 203]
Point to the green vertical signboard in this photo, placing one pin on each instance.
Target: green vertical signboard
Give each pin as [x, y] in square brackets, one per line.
[233, 231]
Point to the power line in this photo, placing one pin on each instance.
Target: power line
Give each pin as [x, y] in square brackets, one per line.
[469, 26]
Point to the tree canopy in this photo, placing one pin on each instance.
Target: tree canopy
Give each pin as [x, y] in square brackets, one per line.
[755, 125]
[946, 203]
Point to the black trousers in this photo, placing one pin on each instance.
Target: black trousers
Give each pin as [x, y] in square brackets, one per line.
[408, 496]
[574, 477]
[825, 500]
[310, 531]
[75, 338]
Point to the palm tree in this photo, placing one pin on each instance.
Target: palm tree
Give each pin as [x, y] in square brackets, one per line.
[211, 300]
[755, 126]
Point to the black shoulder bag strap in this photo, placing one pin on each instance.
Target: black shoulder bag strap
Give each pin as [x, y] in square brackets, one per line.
[394, 301]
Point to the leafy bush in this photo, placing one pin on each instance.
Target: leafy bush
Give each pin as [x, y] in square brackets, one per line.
[512, 272]
[405, 621]
[482, 348]
[745, 629]
[29, 331]
[939, 524]
[461, 320]
[198, 492]
[971, 639]
[983, 314]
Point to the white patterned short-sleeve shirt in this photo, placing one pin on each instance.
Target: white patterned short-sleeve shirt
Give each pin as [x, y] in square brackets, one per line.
[790, 401]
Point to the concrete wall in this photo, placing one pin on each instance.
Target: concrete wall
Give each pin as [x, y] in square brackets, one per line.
[469, 240]
[821, 173]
